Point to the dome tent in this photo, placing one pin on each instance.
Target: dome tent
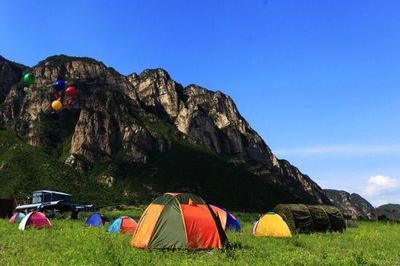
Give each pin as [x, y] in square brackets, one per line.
[271, 224]
[123, 224]
[36, 220]
[228, 221]
[311, 218]
[179, 221]
[95, 220]
[16, 217]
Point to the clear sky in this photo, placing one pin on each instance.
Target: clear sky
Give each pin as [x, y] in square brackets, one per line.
[319, 80]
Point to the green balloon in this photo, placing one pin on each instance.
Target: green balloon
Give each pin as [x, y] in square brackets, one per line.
[29, 78]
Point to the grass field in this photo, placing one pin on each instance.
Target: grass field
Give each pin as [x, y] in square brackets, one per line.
[69, 243]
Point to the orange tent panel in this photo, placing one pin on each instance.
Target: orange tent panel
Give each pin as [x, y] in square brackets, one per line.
[221, 214]
[147, 223]
[201, 230]
[128, 226]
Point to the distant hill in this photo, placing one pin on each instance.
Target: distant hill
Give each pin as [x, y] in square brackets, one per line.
[127, 139]
[387, 210]
[351, 204]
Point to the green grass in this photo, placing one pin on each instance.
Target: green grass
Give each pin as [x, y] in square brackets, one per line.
[69, 243]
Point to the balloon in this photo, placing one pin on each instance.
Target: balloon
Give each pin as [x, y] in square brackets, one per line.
[27, 90]
[59, 85]
[56, 105]
[71, 91]
[29, 78]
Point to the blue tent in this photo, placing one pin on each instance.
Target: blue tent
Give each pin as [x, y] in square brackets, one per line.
[228, 221]
[123, 224]
[232, 223]
[95, 220]
[115, 226]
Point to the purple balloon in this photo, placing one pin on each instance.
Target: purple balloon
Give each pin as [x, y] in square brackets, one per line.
[59, 85]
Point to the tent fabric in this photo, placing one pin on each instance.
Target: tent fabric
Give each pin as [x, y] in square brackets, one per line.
[16, 217]
[36, 220]
[128, 225]
[337, 221]
[201, 231]
[272, 225]
[115, 227]
[320, 218]
[232, 223]
[170, 230]
[95, 220]
[123, 224]
[228, 221]
[179, 221]
[311, 218]
[146, 225]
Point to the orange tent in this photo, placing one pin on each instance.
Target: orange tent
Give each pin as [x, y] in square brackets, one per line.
[179, 221]
[123, 224]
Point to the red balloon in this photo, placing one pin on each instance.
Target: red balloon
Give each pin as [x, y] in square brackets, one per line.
[71, 91]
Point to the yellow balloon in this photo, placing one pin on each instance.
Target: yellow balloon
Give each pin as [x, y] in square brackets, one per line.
[56, 105]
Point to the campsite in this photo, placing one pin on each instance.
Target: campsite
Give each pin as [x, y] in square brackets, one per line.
[68, 242]
[261, 132]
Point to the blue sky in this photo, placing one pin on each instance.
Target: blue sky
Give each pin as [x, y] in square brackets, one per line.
[319, 80]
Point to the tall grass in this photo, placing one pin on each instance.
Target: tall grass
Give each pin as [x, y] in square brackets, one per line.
[69, 243]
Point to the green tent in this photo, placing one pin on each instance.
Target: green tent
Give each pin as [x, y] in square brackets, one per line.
[303, 218]
[320, 218]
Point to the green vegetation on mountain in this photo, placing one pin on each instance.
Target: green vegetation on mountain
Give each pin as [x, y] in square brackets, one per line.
[127, 139]
[24, 168]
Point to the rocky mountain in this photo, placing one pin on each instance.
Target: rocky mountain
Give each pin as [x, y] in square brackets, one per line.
[351, 204]
[143, 134]
[10, 73]
[390, 211]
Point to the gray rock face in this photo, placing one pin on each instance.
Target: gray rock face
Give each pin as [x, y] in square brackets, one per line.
[213, 119]
[104, 128]
[390, 212]
[351, 204]
[10, 73]
[114, 114]
[300, 184]
[157, 92]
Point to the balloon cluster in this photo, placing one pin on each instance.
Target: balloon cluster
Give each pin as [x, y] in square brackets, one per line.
[70, 92]
[28, 80]
[59, 91]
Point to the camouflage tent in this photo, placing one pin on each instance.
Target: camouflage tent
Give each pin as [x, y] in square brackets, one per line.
[311, 218]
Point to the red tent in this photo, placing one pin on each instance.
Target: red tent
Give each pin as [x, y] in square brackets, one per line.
[36, 220]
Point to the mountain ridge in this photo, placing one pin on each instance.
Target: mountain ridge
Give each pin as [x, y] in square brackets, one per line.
[351, 204]
[136, 119]
[389, 211]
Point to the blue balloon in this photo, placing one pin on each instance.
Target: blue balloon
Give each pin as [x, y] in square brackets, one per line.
[59, 85]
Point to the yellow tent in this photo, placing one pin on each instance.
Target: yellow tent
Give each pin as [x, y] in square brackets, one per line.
[271, 224]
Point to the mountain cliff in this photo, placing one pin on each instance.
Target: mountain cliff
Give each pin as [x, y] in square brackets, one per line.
[10, 73]
[389, 212]
[144, 134]
[351, 204]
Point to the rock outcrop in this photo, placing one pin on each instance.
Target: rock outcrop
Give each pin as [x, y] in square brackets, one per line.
[135, 117]
[389, 212]
[10, 73]
[351, 204]
[212, 119]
